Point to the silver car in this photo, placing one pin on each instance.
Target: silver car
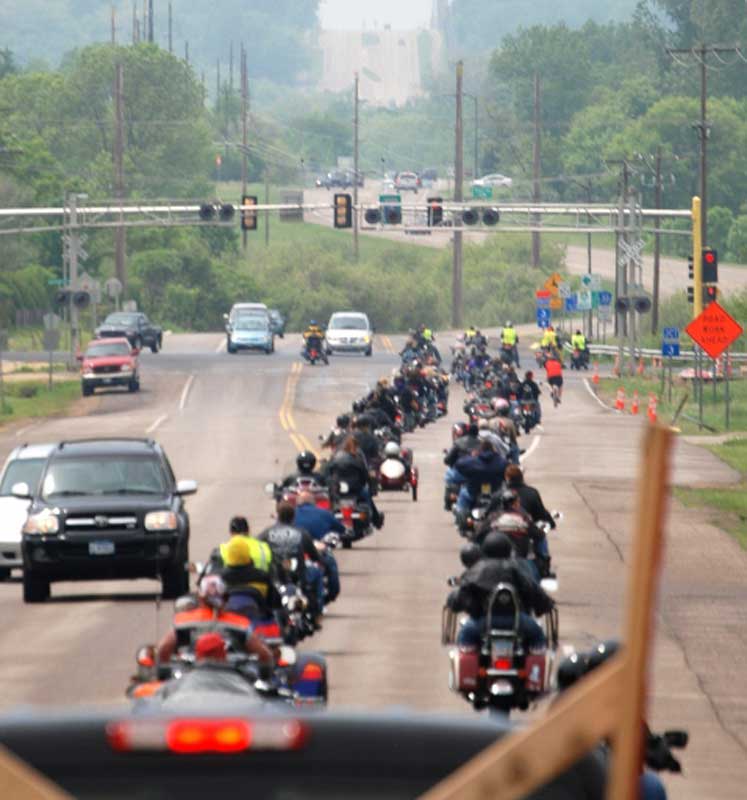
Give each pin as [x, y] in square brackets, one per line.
[349, 332]
[24, 465]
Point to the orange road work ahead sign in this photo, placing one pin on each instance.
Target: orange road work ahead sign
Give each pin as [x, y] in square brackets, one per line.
[714, 330]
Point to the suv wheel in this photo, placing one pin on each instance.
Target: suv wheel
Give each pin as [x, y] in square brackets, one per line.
[154, 346]
[87, 390]
[175, 582]
[138, 343]
[35, 588]
[134, 385]
[231, 349]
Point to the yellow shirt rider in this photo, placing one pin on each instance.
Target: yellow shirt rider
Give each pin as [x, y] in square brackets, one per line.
[549, 338]
[314, 330]
[578, 341]
[508, 335]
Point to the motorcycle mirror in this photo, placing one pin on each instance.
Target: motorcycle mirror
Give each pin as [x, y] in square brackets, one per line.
[196, 567]
[344, 487]
[558, 515]
[270, 489]
[452, 581]
[476, 513]
[550, 585]
[287, 654]
[146, 656]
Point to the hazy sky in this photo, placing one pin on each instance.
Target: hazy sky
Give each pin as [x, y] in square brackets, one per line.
[352, 14]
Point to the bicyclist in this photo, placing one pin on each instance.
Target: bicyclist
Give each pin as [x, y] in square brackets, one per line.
[554, 371]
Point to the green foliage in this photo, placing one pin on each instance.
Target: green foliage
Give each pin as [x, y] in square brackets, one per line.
[720, 220]
[737, 241]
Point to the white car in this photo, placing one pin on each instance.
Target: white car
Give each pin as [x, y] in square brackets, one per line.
[24, 465]
[349, 332]
[495, 179]
[407, 182]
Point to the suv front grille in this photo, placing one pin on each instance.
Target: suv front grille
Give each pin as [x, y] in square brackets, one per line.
[106, 370]
[101, 522]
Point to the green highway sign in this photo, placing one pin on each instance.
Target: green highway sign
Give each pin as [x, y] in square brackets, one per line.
[390, 198]
[482, 192]
[56, 282]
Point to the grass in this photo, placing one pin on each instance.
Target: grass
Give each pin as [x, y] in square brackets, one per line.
[30, 400]
[713, 411]
[728, 503]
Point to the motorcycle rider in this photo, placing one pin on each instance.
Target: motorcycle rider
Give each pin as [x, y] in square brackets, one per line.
[380, 401]
[529, 498]
[549, 339]
[484, 469]
[529, 391]
[313, 338]
[248, 571]
[477, 585]
[367, 442]
[318, 522]
[464, 445]
[349, 465]
[554, 372]
[339, 433]
[509, 338]
[210, 615]
[306, 464]
[516, 523]
[287, 542]
[503, 425]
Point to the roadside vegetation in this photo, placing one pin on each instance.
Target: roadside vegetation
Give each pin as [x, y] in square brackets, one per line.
[29, 399]
[728, 504]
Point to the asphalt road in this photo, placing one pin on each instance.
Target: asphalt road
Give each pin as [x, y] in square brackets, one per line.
[235, 422]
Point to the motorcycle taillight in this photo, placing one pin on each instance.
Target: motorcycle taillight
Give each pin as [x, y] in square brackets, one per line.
[347, 512]
[324, 503]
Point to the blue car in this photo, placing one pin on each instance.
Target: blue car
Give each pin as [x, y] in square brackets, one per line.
[250, 330]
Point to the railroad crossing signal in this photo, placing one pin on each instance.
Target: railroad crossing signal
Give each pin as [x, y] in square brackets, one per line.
[343, 211]
[248, 217]
[435, 211]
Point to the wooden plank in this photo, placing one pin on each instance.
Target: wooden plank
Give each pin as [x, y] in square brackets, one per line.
[645, 567]
[514, 766]
[21, 782]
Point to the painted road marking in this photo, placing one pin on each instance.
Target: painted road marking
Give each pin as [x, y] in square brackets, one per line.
[185, 392]
[157, 423]
[532, 447]
[222, 346]
[597, 398]
[285, 412]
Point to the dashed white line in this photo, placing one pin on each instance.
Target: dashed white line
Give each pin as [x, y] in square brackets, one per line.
[185, 392]
[222, 346]
[157, 423]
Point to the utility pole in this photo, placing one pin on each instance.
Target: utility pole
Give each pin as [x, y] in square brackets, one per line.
[114, 25]
[120, 251]
[171, 30]
[621, 277]
[657, 245]
[536, 187]
[151, 30]
[74, 250]
[244, 131]
[267, 203]
[135, 25]
[456, 275]
[356, 165]
[230, 67]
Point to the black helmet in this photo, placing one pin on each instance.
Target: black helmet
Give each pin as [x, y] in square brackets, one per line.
[306, 461]
[343, 421]
[496, 545]
[364, 421]
[470, 554]
[508, 498]
[572, 669]
[602, 652]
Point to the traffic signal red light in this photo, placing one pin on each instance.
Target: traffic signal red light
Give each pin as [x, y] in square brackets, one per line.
[710, 265]
[710, 294]
[248, 217]
[435, 211]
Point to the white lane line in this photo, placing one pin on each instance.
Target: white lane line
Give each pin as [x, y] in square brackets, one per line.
[596, 397]
[157, 423]
[532, 447]
[185, 392]
[25, 429]
[222, 346]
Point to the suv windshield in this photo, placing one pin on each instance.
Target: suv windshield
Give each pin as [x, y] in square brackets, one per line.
[102, 350]
[22, 470]
[97, 475]
[250, 322]
[354, 323]
[121, 319]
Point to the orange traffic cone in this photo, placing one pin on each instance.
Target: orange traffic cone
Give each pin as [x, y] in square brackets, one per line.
[652, 404]
[620, 399]
[635, 405]
[595, 376]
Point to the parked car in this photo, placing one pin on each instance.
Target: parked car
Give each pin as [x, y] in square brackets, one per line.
[336, 179]
[105, 509]
[407, 182]
[24, 465]
[277, 322]
[494, 179]
[349, 332]
[249, 327]
[134, 326]
[109, 362]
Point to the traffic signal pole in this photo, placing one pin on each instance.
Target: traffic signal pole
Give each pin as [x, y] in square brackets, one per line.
[456, 274]
[697, 258]
[356, 158]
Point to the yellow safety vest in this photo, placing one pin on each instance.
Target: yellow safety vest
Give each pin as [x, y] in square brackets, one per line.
[549, 339]
[578, 340]
[427, 334]
[509, 336]
[261, 556]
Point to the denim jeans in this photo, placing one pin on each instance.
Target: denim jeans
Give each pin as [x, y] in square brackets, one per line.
[453, 477]
[464, 501]
[651, 787]
[333, 575]
[470, 634]
[315, 584]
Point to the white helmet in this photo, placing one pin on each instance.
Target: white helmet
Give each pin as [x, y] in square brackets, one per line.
[508, 324]
[212, 591]
[500, 405]
[391, 450]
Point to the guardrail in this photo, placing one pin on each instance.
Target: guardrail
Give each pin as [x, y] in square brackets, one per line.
[638, 352]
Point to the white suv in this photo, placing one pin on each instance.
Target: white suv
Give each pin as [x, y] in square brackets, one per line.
[349, 332]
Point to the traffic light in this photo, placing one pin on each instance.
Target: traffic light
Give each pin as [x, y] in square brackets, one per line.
[470, 216]
[343, 211]
[81, 300]
[710, 295]
[207, 212]
[392, 215]
[491, 216]
[225, 212]
[710, 265]
[435, 211]
[248, 217]
[690, 268]
[372, 216]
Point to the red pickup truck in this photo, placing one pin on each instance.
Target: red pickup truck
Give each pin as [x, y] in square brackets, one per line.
[109, 362]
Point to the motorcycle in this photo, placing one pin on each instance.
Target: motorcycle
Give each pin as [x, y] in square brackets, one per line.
[502, 674]
[354, 514]
[528, 415]
[290, 493]
[314, 352]
[579, 359]
[397, 474]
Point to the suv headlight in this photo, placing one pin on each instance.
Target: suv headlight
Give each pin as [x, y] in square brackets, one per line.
[126, 368]
[41, 523]
[160, 521]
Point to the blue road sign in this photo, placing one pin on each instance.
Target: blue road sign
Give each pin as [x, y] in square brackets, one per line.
[605, 298]
[671, 334]
[670, 349]
[571, 303]
[544, 317]
[543, 302]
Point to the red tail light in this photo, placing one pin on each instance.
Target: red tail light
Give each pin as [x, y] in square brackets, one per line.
[488, 384]
[502, 663]
[323, 502]
[347, 512]
[202, 735]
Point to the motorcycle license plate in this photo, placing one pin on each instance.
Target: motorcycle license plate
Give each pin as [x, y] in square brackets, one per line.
[101, 548]
[486, 488]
